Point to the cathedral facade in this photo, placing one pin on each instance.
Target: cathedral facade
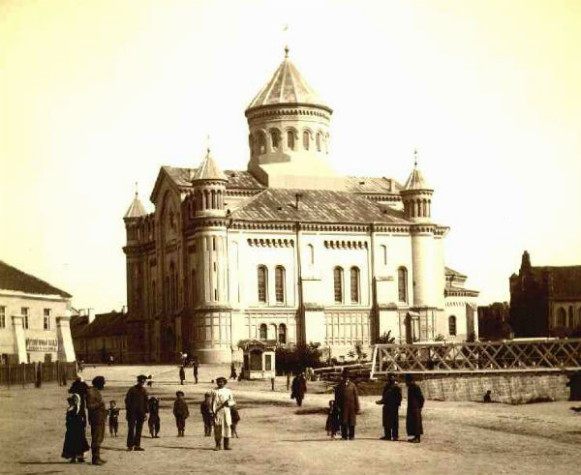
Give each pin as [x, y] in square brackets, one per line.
[287, 250]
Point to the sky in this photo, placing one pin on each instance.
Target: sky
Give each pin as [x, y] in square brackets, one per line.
[96, 95]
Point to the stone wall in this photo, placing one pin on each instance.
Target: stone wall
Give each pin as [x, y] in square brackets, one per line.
[506, 388]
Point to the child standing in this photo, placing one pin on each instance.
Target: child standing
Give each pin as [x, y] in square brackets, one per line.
[181, 412]
[206, 410]
[76, 443]
[333, 420]
[113, 418]
[153, 422]
[182, 375]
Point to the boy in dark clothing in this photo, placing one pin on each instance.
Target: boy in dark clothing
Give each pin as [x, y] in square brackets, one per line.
[206, 410]
[113, 418]
[153, 422]
[182, 375]
[391, 400]
[181, 413]
[333, 424]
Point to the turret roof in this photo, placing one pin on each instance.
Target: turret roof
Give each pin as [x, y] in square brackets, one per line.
[416, 181]
[287, 86]
[209, 170]
[136, 208]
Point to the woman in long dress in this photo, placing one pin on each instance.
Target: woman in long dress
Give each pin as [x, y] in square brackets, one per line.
[76, 443]
[222, 400]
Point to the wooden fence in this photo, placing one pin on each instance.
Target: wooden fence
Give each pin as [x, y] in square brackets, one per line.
[35, 373]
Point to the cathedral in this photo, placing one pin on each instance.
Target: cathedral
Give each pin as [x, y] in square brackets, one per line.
[287, 251]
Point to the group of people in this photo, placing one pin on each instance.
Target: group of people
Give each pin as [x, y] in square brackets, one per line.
[182, 372]
[86, 405]
[343, 410]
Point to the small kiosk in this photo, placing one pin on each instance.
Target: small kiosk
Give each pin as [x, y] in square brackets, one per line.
[259, 359]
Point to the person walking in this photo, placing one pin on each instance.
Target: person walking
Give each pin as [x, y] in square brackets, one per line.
[299, 388]
[391, 400]
[222, 400]
[347, 401]
[97, 418]
[414, 411]
[195, 365]
[136, 413]
[75, 444]
[182, 375]
[233, 374]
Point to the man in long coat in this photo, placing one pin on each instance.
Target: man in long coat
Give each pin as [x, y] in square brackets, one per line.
[347, 401]
[137, 409]
[299, 388]
[97, 418]
[391, 400]
[414, 413]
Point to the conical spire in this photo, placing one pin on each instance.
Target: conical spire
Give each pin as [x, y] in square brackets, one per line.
[136, 208]
[287, 86]
[416, 180]
[209, 170]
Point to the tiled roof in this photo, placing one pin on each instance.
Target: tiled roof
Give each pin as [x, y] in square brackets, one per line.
[416, 181]
[564, 281]
[105, 324]
[237, 179]
[315, 206]
[372, 185]
[209, 170]
[14, 279]
[136, 209]
[452, 272]
[287, 86]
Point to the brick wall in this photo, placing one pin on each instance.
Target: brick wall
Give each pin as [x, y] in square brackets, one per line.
[512, 389]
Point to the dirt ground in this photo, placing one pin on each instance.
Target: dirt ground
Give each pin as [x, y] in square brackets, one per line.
[277, 437]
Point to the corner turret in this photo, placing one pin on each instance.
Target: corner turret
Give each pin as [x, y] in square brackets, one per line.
[417, 195]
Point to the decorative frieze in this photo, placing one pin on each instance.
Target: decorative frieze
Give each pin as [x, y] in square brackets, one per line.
[271, 242]
[336, 244]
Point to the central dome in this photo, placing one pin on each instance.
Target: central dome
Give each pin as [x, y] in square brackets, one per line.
[287, 86]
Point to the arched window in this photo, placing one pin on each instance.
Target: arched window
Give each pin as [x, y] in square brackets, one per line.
[561, 317]
[402, 284]
[354, 285]
[311, 253]
[306, 139]
[452, 325]
[262, 332]
[262, 283]
[338, 284]
[383, 248]
[319, 141]
[261, 142]
[275, 138]
[279, 274]
[290, 139]
[282, 333]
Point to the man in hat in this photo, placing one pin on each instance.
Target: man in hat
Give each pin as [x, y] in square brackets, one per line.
[414, 412]
[97, 418]
[299, 388]
[222, 400]
[136, 409]
[347, 401]
[391, 400]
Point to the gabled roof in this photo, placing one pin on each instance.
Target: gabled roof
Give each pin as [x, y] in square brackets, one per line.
[317, 206]
[287, 86]
[564, 282]
[209, 170]
[136, 209]
[13, 279]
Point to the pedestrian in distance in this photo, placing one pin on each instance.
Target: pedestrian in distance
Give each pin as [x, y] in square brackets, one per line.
[97, 415]
[233, 374]
[195, 365]
[207, 416]
[75, 444]
[136, 413]
[299, 388]
[347, 401]
[153, 422]
[222, 400]
[391, 400]
[181, 413]
[113, 418]
[488, 396]
[182, 375]
[414, 424]
[333, 424]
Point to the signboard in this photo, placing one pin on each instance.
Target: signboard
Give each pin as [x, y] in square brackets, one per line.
[41, 344]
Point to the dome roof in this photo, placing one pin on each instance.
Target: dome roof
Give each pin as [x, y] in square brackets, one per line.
[287, 86]
[209, 170]
[136, 209]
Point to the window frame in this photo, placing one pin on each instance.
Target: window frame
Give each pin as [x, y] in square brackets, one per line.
[280, 284]
[46, 320]
[402, 285]
[338, 285]
[452, 325]
[262, 289]
[355, 290]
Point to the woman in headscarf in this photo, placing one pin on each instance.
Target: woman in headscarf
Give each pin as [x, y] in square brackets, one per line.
[76, 443]
[222, 400]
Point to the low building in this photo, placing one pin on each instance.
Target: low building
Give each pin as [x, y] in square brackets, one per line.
[545, 301]
[494, 321]
[34, 319]
[97, 338]
[461, 308]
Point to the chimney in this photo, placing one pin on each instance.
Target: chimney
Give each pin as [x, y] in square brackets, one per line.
[91, 315]
[298, 197]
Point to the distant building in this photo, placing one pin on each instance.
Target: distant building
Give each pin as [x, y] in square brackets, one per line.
[494, 321]
[99, 337]
[545, 301]
[287, 250]
[34, 319]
